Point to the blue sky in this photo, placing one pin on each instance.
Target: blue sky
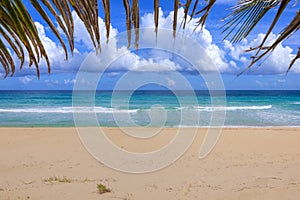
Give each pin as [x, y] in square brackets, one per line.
[229, 59]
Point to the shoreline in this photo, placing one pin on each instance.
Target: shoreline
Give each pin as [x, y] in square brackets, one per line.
[51, 163]
[177, 127]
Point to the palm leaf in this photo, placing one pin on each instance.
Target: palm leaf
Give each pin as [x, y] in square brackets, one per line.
[6, 59]
[106, 7]
[206, 10]
[294, 60]
[49, 22]
[87, 11]
[136, 21]
[156, 14]
[283, 5]
[67, 26]
[128, 21]
[16, 21]
[8, 31]
[194, 9]
[14, 45]
[19, 31]
[186, 10]
[20, 34]
[289, 30]
[32, 34]
[176, 5]
[245, 16]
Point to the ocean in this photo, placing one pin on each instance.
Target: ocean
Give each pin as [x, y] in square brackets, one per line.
[55, 108]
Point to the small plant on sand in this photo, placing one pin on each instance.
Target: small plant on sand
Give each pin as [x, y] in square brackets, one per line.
[64, 180]
[102, 189]
[57, 179]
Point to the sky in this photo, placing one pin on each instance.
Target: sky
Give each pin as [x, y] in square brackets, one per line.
[164, 61]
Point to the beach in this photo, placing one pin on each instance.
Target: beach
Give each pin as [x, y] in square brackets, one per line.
[170, 105]
[246, 163]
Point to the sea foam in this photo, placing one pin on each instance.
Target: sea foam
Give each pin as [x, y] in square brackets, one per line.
[97, 109]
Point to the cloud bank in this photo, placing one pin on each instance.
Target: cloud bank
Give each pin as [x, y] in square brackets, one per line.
[226, 57]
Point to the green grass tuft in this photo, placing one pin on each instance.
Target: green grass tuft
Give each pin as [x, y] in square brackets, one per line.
[102, 189]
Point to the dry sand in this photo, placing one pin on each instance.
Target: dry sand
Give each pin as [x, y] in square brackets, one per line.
[245, 164]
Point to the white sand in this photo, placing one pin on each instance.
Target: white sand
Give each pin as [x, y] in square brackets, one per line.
[245, 164]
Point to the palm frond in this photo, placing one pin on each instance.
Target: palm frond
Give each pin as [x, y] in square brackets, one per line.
[65, 12]
[194, 9]
[19, 31]
[136, 21]
[283, 5]
[176, 5]
[19, 35]
[128, 21]
[19, 28]
[106, 6]
[15, 45]
[87, 11]
[245, 16]
[294, 60]
[156, 15]
[289, 30]
[6, 59]
[42, 12]
[186, 12]
[206, 10]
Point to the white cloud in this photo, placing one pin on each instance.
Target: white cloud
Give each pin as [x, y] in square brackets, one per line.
[281, 80]
[228, 59]
[112, 74]
[25, 79]
[230, 2]
[81, 35]
[277, 62]
[201, 36]
[261, 84]
[171, 82]
[51, 82]
[69, 81]
[158, 60]
[56, 54]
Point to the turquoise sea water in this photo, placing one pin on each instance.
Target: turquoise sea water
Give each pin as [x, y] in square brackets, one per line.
[55, 108]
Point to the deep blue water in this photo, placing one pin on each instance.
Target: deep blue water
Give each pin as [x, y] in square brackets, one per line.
[243, 108]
